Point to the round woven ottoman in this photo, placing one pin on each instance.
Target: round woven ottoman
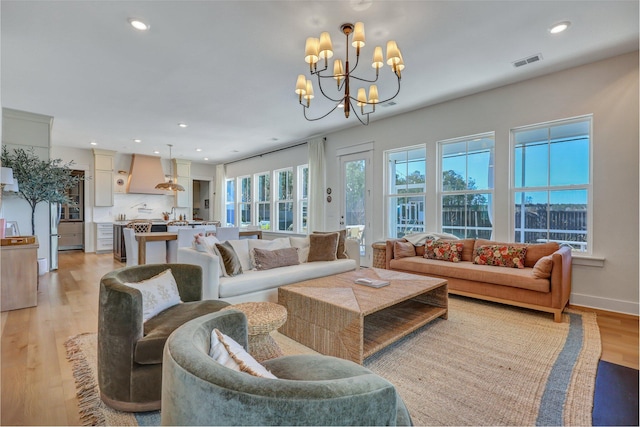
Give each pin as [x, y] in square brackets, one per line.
[262, 318]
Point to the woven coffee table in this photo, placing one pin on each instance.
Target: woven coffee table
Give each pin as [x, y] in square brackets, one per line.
[337, 317]
[262, 318]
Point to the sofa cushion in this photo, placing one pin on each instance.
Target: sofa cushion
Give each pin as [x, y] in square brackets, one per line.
[268, 259]
[270, 245]
[341, 251]
[227, 352]
[514, 277]
[158, 293]
[148, 350]
[302, 243]
[230, 259]
[444, 250]
[543, 267]
[500, 255]
[254, 281]
[403, 249]
[241, 247]
[323, 246]
[535, 251]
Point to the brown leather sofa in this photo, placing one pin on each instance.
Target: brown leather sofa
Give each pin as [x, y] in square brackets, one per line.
[513, 286]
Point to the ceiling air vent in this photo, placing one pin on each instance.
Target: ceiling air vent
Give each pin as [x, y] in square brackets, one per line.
[529, 60]
[388, 104]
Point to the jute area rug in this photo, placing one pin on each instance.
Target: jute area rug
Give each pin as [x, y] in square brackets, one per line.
[488, 364]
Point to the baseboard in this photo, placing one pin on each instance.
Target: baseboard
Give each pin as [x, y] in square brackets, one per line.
[608, 304]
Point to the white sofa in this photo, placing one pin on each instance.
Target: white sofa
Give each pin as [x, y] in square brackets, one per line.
[261, 285]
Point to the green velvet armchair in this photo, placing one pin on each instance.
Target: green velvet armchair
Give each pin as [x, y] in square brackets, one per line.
[130, 351]
[310, 389]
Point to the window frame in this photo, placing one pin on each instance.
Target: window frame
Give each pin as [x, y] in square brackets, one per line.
[551, 188]
[277, 201]
[240, 203]
[229, 202]
[391, 225]
[259, 202]
[441, 193]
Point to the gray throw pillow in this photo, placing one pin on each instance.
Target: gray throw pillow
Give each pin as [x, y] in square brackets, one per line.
[266, 259]
[230, 259]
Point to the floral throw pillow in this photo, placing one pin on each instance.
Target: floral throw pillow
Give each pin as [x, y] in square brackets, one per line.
[500, 255]
[443, 250]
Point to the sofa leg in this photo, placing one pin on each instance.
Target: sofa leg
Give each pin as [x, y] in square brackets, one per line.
[557, 316]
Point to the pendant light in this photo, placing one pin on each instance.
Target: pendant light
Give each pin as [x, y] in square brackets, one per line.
[170, 186]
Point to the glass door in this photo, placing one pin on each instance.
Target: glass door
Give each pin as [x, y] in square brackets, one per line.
[356, 200]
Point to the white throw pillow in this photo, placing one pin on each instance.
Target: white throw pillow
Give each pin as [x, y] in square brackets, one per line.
[204, 243]
[226, 351]
[242, 250]
[268, 245]
[158, 293]
[302, 243]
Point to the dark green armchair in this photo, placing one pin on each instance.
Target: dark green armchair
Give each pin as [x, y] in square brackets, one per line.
[130, 352]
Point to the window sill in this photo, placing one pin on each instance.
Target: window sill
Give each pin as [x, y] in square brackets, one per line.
[588, 260]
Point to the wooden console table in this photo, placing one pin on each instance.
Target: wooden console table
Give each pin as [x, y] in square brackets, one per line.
[19, 287]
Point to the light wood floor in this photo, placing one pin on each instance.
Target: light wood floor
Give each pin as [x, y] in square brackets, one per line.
[37, 386]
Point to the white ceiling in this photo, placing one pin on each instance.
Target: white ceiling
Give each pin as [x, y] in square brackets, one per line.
[228, 68]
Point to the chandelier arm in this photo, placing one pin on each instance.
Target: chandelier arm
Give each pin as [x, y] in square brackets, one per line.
[382, 101]
[304, 109]
[364, 80]
[325, 95]
[355, 111]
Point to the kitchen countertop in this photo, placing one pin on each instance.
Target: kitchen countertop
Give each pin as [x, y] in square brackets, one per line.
[155, 222]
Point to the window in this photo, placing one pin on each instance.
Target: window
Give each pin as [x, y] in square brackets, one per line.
[230, 202]
[466, 186]
[552, 183]
[244, 200]
[284, 199]
[303, 198]
[263, 200]
[406, 188]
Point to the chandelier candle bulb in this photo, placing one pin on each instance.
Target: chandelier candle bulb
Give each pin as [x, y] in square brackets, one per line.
[338, 70]
[393, 54]
[325, 47]
[358, 35]
[378, 59]
[301, 85]
[311, 50]
[373, 95]
[309, 92]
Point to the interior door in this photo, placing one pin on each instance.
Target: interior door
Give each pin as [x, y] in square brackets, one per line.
[356, 202]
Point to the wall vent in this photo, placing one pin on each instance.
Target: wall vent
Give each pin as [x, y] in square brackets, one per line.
[388, 104]
[531, 59]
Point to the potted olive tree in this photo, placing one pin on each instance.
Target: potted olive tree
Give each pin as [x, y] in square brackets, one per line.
[40, 180]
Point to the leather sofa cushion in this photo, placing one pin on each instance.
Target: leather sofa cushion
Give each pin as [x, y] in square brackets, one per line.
[149, 348]
[514, 277]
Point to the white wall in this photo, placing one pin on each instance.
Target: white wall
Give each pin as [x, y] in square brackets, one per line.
[607, 89]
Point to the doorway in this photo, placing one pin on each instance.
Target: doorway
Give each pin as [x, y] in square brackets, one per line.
[356, 202]
[202, 200]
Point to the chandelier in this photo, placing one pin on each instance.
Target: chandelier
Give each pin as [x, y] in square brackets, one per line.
[170, 186]
[318, 49]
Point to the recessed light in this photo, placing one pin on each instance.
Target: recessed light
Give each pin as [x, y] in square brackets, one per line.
[94, 143]
[182, 125]
[559, 27]
[198, 149]
[206, 158]
[137, 140]
[156, 152]
[138, 24]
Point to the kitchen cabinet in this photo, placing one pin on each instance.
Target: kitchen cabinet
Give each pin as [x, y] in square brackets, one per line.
[104, 237]
[183, 177]
[103, 177]
[74, 211]
[71, 235]
[19, 283]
